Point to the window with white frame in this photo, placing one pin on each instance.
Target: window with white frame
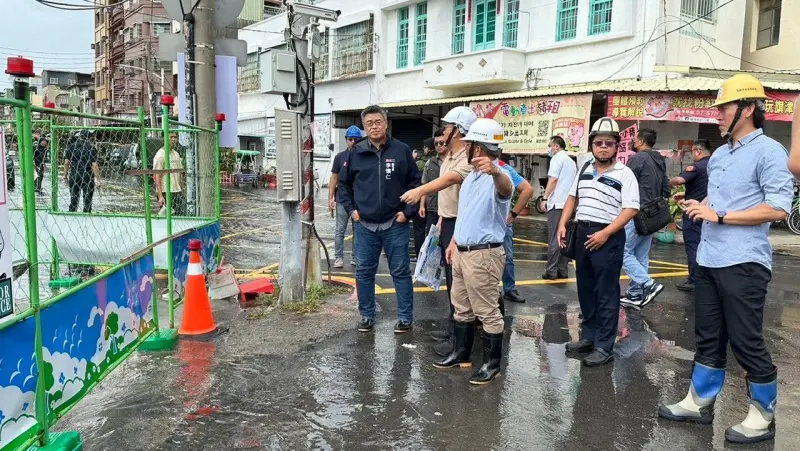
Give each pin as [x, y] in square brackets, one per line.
[161, 28]
[53, 80]
[402, 37]
[459, 25]
[322, 68]
[700, 9]
[769, 23]
[353, 49]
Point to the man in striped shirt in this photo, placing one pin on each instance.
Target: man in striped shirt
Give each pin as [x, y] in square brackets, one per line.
[606, 196]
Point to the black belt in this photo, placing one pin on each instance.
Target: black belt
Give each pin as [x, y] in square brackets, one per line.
[478, 247]
[591, 224]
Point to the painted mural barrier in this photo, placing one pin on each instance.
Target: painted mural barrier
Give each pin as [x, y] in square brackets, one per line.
[84, 336]
[83, 284]
[209, 235]
[529, 123]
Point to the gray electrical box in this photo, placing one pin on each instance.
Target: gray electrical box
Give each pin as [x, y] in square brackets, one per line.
[278, 72]
[288, 155]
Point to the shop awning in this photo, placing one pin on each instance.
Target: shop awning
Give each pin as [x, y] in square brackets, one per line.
[685, 84]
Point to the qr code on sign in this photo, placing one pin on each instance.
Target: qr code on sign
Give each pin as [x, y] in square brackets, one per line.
[543, 128]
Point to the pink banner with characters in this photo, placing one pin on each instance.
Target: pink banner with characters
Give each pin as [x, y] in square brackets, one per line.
[529, 123]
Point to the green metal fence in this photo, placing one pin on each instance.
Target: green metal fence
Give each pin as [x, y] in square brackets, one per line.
[85, 212]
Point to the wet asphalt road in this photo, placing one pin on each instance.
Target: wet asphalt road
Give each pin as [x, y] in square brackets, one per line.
[379, 391]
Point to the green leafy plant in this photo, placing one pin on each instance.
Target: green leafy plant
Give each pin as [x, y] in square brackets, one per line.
[227, 159]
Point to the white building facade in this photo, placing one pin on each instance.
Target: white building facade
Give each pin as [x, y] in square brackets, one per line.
[418, 59]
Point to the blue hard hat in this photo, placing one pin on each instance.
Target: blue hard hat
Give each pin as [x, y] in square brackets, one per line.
[353, 132]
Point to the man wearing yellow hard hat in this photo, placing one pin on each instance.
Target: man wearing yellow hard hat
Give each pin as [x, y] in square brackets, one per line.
[749, 187]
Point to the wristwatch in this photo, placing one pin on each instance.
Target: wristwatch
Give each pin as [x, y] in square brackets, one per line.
[514, 213]
[721, 217]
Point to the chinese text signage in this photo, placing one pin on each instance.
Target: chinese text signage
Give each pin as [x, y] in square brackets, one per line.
[687, 107]
[528, 124]
[626, 138]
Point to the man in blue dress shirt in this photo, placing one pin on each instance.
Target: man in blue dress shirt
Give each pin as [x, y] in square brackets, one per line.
[749, 187]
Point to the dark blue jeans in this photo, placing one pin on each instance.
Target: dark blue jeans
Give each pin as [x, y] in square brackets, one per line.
[394, 241]
[692, 232]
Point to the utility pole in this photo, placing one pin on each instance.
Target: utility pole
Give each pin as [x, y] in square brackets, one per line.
[189, 108]
[150, 97]
[206, 98]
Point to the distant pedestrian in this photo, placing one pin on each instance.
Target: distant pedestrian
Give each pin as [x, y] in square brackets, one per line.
[377, 172]
[418, 222]
[560, 177]
[40, 154]
[749, 187]
[650, 169]
[608, 198]
[695, 178]
[510, 292]
[476, 253]
[352, 136]
[81, 171]
[429, 205]
[175, 179]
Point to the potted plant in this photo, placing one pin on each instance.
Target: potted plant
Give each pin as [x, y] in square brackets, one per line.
[270, 176]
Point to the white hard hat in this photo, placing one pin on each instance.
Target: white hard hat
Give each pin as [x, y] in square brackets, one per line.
[460, 116]
[605, 126]
[486, 131]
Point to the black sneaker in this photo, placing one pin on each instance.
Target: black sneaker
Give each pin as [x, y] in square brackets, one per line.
[685, 286]
[650, 292]
[366, 325]
[513, 296]
[402, 327]
[631, 300]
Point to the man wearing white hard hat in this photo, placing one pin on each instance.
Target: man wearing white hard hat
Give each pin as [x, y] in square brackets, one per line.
[604, 197]
[476, 253]
[455, 167]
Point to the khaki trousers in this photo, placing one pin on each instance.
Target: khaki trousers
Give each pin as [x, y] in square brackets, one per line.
[476, 276]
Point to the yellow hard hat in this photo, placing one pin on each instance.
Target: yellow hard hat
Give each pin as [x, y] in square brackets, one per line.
[740, 87]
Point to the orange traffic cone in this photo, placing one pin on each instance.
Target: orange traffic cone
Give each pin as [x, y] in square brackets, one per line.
[198, 321]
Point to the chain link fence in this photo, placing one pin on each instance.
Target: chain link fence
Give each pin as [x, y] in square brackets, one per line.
[100, 190]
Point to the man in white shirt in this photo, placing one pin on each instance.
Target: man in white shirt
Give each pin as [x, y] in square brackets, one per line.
[559, 180]
[604, 197]
[175, 162]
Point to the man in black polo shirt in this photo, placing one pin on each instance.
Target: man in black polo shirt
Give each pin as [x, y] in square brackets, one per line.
[695, 177]
[79, 164]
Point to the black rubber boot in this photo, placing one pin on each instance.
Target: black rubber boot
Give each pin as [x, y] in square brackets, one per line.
[461, 355]
[492, 353]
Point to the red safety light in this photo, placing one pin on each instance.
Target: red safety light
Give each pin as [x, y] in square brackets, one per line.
[167, 100]
[18, 66]
[220, 117]
[51, 105]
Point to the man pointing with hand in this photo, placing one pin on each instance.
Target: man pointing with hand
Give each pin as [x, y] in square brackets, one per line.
[476, 253]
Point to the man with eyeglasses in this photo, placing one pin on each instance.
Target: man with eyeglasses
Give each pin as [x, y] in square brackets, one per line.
[604, 196]
[455, 168]
[352, 136]
[429, 205]
[374, 176]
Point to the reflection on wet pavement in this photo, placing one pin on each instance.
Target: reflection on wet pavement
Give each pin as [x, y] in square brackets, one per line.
[368, 391]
